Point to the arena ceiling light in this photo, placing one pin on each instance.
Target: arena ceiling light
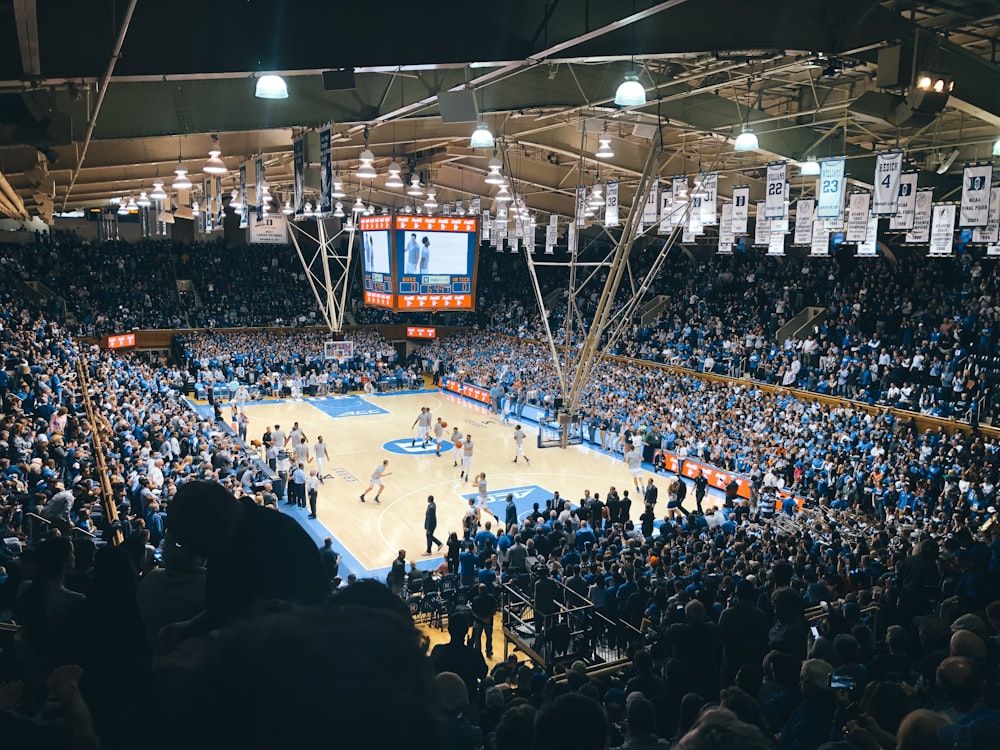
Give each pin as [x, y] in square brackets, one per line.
[338, 189]
[604, 146]
[123, 208]
[338, 210]
[234, 200]
[746, 140]
[596, 195]
[630, 92]
[271, 86]
[132, 205]
[431, 202]
[366, 171]
[359, 206]
[195, 210]
[158, 193]
[495, 177]
[181, 182]
[394, 181]
[215, 165]
[287, 209]
[415, 190]
[144, 200]
[503, 195]
[481, 137]
[809, 168]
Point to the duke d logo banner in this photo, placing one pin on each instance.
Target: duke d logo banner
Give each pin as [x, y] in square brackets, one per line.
[741, 209]
[975, 195]
[906, 204]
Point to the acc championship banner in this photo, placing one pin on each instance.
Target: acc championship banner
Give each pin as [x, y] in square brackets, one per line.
[831, 189]
[776, 243]
[243, 196]
[666, 209]
[804, 221]
[679, 196]
[857, 219]
[976, 195]
[299, 174]
[990, 234]
[774, 197]
[259, 186]
[905, 204]
[269, 230]
[652, 206]
[709, 198]
[921, 232]
[888, 168]
[726, 227]
[820, 246]
[868, 248]
[762, 227]
[942, 229]
[581, 205]
[741, 209]
[325, 171]
[551, 234]
[475, 205]
[611, 205]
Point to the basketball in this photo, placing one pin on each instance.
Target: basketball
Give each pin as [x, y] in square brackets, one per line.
[443, 423]
[458, 443]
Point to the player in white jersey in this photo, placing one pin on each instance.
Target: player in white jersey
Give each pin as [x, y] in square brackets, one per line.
[376, 481]
[519, 445]
[319, 452]
[423, 425]
[456, 451]
[633, 457]
[301, 451]
[438, 436]
[467, 447]
[484, 498]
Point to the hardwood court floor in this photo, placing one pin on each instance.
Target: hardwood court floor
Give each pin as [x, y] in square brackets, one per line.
[372, 533]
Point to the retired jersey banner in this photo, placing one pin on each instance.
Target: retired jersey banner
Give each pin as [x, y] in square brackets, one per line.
[762, 227]
[921, 232]
[726, 225]
[243, 196]
[258, 166]
[820, 246]
[611, 205]
[942, 229]
[475, 205]
[741, 209]
[906, 203]
[976, 180]
[325, 171]
[888, 169]
[804, 221]
[868, 248]
[709, 190]
[830, 195]
[990, 234]
[693, 223]
[298, 175]
[857, 219]
[652, 206]
[774, 196]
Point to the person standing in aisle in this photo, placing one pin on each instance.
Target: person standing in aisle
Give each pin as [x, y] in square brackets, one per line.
[312, 490]
[467, 447]
[519, 445]
[319, 452]
[430, 525]
[376, 481]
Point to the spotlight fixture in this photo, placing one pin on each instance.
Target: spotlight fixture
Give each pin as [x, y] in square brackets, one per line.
[809, 168]
[215, 165]
[495, 177]
[181, 182]
[604, 145]
[746, 141]
[144, 200]
[287, 209]
[481, 137]
[271, 87]
[935, 82]
[158, 193]
[630, 92]
[394, 181]
[338, 210]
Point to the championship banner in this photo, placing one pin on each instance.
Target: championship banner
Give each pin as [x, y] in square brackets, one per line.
[990, 234]
[709, 191]
[529, 238]
[762, 227]
[993, 251]
[726, 226]
[243, 196]
[741, 209]
[857, 219]
[779, 226]
[804, 221]
[515, 244]
[259, 187]
[650, 211]
[475, 205]
[572, 240]
[687, 235]
[976, 180]
[868, 248]
[820, 246]
[551, 234]
[694, 224]
[679, 203]
[666, 208]
[487, 225]
[611, 204]
[888, 169]
[831, 189]
[299, 175]
[776, 244]
[325, 171]
[581, 205]
[459, 209]
[921, 232]
[942, 229]
[905, 204]
[774, 196]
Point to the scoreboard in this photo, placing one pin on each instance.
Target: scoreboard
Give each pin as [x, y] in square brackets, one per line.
[414, 263]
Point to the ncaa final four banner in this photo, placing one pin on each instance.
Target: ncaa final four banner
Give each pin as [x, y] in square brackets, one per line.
[888, 169]
[906, 204]
[830, 194]
[990, 234]
[741, 209]
[774, 196]
[975, 208]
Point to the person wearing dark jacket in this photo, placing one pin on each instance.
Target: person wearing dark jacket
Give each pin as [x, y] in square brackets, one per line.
[743, 627]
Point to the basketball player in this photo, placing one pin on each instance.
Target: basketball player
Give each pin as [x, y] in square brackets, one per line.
[633, 457]
[456, 442]
[484, 498]
[438, 436]
[302, 451]
[319, 452]
[467, 447]
[519, 445]
[376, 481]
[423, 425]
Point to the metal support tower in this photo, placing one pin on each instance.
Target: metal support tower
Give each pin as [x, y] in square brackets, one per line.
[326, 270]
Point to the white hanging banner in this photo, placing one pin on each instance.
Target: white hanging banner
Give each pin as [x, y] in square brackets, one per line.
[976, 195]
[726, 226]
[487, 225]
[687, 236]
[869, 247]
[581, 205]
[515, 244]
[529, 241]
[611, 204]
[857, 219]
[551, 234]
[458, 207]
[651, 208]
[679, 192]
[888, 169]
[776, 244]
[831, 189]
[725, 249]
[905, 204]
[779, 226]
[804, 221]
[820, 245]
[694, 224]
[666, 209]
[762, 227]
[993, 251]
[942, 229]
[709, 190]
[774, 195]
[991, 232]
[921, 232]
[475, 205]
[741, 209]
[572, 240]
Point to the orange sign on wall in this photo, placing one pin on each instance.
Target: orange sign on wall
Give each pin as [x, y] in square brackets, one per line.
[121, 341]
[378, 299]
[436, 223]
[464, 389]
[419, 332]
[716, 477]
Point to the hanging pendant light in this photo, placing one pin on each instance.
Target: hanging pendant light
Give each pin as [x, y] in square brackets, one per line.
[809, 168]
[144, 200]
[415, 189]
[481, 137]
[746, 141]
[495, 177]
[503, 195]
[394, 180]
[359, 206]
[431, 202]
[181, 182]
[596, 196]
[215, 165]
[338, 210]
[630, 92]
[271, 87]
[123, 208]
[132, 205]
[366, 171]
[604, 145]
[195, 211]
[158, 193]
[287, 209]
[234, 200]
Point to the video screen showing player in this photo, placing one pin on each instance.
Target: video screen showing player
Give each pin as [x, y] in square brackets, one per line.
[429, 253]
[375, 246]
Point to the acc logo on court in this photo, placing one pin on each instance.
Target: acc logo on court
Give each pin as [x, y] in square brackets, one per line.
[417, 449]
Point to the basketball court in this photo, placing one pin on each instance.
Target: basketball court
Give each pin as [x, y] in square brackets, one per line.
[361, 431]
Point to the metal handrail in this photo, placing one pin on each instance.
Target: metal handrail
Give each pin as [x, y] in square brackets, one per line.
[103, 475]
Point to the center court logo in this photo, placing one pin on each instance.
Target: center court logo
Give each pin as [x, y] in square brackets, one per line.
[405, 448]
